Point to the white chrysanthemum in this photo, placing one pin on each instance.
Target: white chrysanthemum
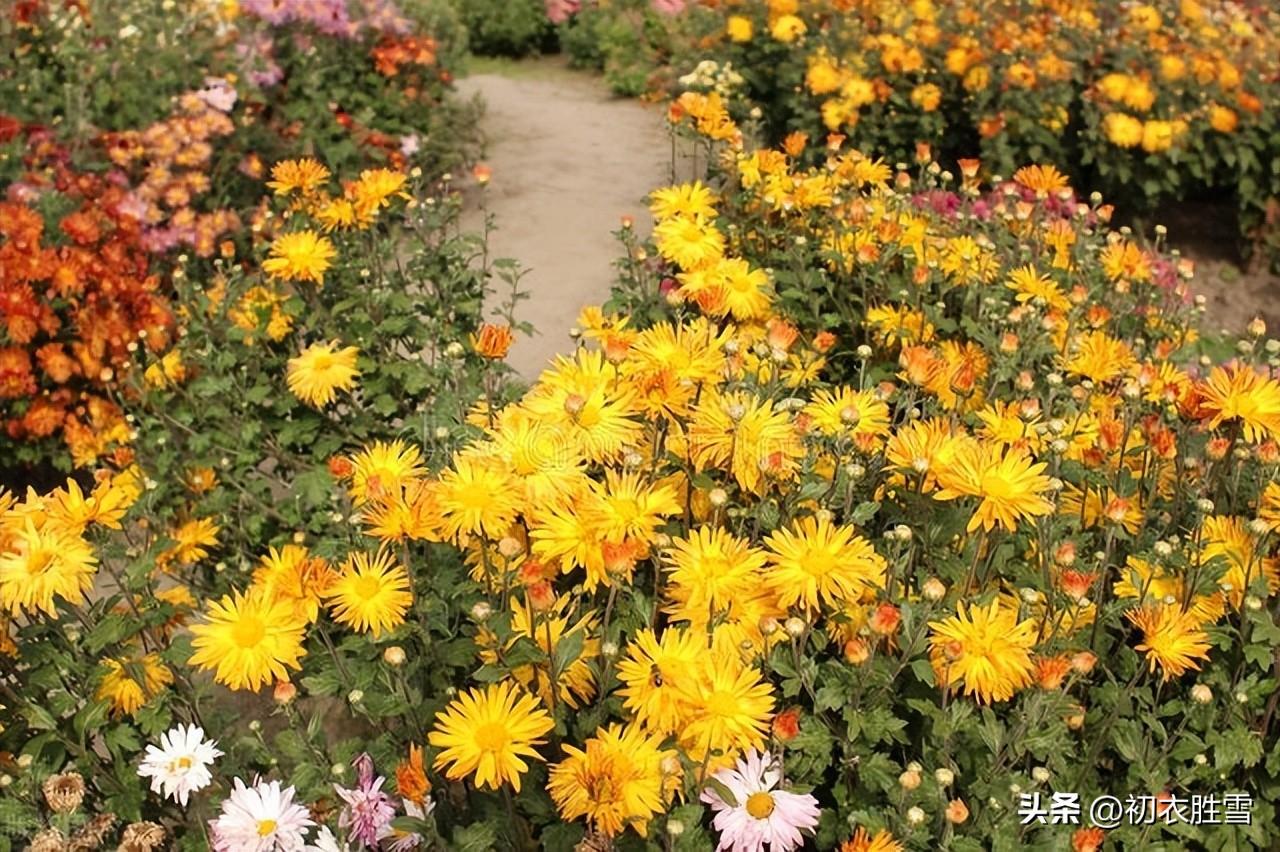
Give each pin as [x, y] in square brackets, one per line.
[261, 818]
[761, 818]
[180, 765]
[326, 842]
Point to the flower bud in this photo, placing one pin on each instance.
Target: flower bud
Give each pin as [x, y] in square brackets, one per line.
[1201, 694]
[856, 651]
[284, 692]
[1083, 662]
[786, 725]
[945, 777]
[934, 589]
[394, 656]
[909, 780]
[885, 620]
[915, 815]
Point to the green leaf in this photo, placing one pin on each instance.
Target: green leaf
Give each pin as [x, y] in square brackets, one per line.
[862, 513]
[563, 837]
[568, 649]
[477, 837]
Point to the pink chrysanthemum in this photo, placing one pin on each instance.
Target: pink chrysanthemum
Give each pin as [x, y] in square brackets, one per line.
[261, 818]
[761, 817]
[368, 811]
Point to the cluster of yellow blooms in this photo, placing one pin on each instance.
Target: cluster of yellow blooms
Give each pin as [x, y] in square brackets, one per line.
[1005, 395]
[1151, 70]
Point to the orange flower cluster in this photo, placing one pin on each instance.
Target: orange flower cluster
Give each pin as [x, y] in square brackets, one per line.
[170, 160]
[394, 52]
[72, 305]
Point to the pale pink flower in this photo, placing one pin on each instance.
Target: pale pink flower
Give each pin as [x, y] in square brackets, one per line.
[669, 7]
[261, 818]
[761, 817]
[559, 11]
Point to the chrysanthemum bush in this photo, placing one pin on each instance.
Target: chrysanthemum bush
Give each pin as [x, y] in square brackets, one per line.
[1147, 102]
[880, 505]
[106, 183]
[353, 321]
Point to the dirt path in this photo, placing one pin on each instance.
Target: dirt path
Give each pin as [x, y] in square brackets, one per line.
[568, 162]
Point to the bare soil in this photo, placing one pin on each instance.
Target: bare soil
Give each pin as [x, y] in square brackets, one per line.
[1236, 290]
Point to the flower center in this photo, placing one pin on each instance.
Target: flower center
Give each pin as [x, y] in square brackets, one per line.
[760, 805]
[182, 764]
[248, 632]
[368, 587]
[491, 736]
[266, 827]
[38, 562]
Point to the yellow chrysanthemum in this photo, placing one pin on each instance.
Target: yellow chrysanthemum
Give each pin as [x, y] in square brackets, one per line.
[1243, 396]
[729, 287]
[712, 569]
[41, 563]
[1269, 506]
[815, 563]
[668, 363]
[409, 513]
[374, 190]
[1010, 424]
[1101, 506]
[897, 324]
[1042, 180]
[105, 505]
[478, 497]
[616, 781]
[845, 412]
[1171, 639]
[744, 434]
[490, 733]
[383, 468]
[1230, 539]
[127, 685]
[1100, 357]
[654, 672]
[293, 575]
[371, 593]
[299, 256]
[1009, 485]
[689, 243]
[248, 640]
[316, 375]
[921, 448]
[192, 541]
[984, 648]
[304, 176]
[628, 508]
[729, 708]
[1031, 285]
[688, 200]
[545, 456]
[1149, 583]
[583, 397]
